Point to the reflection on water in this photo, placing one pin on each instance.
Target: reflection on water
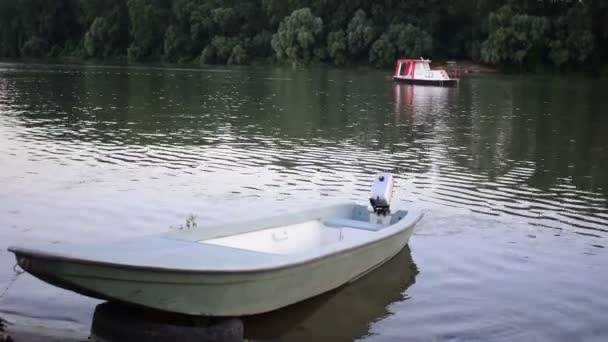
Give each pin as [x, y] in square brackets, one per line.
[92, 152]
[511, 147]
[344, 314]
[420, 104]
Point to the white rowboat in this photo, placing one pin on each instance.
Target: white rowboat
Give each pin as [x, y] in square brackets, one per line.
[235, 269]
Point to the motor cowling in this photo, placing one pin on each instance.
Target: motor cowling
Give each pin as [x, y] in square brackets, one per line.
[382, 193]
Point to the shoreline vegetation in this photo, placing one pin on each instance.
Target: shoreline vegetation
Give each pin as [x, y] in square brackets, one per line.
[459, 67]
[522, 36]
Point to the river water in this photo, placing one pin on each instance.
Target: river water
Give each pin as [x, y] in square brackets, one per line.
[510, 171]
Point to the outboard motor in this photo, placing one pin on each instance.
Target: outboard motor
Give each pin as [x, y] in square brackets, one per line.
[382, 194]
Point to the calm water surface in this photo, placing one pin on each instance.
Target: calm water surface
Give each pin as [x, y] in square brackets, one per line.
[511, 172]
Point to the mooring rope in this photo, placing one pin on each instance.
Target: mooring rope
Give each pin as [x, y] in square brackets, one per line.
[16, 273]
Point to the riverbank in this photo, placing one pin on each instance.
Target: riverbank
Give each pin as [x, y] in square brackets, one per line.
[460, 68]
[466, 67]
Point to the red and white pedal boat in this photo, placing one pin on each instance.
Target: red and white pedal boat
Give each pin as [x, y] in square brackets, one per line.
[419, 71]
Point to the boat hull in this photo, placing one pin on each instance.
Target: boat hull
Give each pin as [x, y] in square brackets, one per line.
[183, 272]
[448, 83]
[216, 294]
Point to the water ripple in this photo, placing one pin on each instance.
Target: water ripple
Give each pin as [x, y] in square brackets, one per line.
[264, 139]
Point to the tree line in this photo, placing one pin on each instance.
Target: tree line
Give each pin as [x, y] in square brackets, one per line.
[520, 34]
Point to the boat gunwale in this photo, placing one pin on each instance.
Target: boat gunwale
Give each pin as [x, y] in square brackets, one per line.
[29, 253]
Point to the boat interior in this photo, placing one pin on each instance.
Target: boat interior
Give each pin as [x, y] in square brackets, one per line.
[307, 235]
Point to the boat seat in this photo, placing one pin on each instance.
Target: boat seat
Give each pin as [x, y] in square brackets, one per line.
[342, 222]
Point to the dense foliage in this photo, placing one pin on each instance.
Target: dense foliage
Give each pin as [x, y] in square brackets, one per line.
[521, 34]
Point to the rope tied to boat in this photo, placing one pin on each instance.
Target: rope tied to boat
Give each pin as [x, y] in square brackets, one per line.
[17, 271]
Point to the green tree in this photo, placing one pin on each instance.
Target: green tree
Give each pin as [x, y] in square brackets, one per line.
[405, 40]
[337, 47]
[147, 28]
[224, 50]
[260, 44]
[567, 35]
[361, 32]
[41, 27]
[201, 25]
[35, 47]
[96, 37]
[410, 40]
[225, 20]
[173, 45]
[277, 10]
[238, 56]
[297, 37]
[382, 52]
[514, 38]
[11, 32]
[107, 27]
[573, 41]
